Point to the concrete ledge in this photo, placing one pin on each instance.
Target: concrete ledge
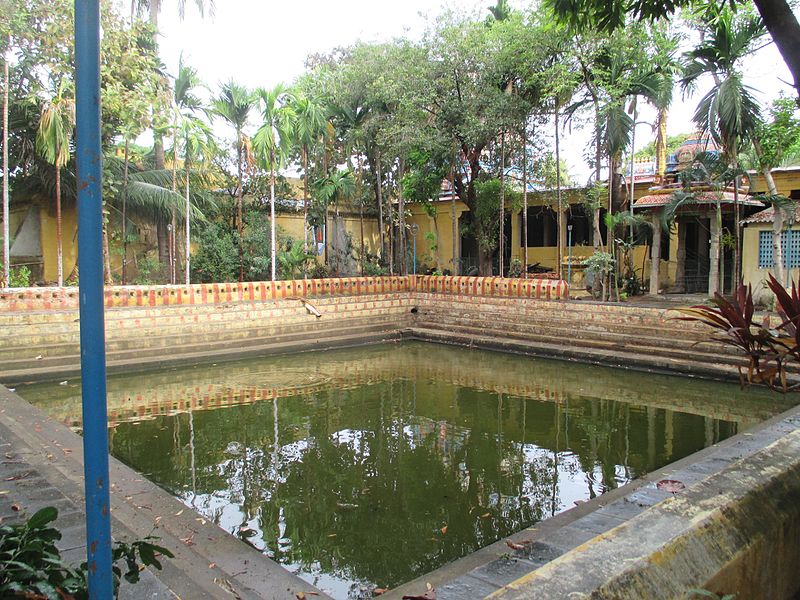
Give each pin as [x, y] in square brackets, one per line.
[736, 532]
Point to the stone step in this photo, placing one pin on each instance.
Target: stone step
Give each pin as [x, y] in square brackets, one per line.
[69, 367]
[567, 324]
[640, 350]
[528, 310]
[582, 337]
[241, 337]
[178, 325]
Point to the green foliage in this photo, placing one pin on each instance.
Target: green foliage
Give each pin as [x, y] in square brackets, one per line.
[19, 276]
[31, 565]
[487, 213]
[601, 263]
[780, 137]
[217, 257]
[696, 594]
[150, 271]
[673, 143]
[515, 268]
[293, 260]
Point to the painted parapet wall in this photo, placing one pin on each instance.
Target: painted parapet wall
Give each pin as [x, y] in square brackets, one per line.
[542, 289]
[49, 298]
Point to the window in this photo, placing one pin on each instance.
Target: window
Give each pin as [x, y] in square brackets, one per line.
[542, 227]
[790, 248]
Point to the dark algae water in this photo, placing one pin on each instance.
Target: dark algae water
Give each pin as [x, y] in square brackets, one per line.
[369, 467]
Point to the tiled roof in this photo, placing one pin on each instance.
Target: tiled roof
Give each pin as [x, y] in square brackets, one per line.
[768, 216]
[657, 200]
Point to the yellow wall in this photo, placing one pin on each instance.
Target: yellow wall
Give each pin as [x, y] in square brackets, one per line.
[751, 273]
[785, 181]
[444, 241]
[69, 241]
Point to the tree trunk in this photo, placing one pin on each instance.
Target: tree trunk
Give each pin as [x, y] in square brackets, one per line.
[501, 235]
[714, 258]
[6, 279]
[680, 270]
[597, 236]
[453, 215]
[126, 163]
[239, 224]
[777, 221]
[106, 256]
[661, 144]
[173, 247]
[379, 198]
[272, 225]
[655, 256]
[187, 232]
[737, 256]
[401, 207]
[784, 29]
[360, 197]
[59, 244]
[560, 224]
[304, 158]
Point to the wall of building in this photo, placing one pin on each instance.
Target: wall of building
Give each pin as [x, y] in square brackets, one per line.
[752, 274]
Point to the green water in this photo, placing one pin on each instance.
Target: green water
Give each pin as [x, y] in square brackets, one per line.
[367, 467]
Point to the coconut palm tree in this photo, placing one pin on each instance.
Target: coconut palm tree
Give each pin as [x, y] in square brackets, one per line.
[233, 106]
[271, 143]
[52, 142]
[729, 112]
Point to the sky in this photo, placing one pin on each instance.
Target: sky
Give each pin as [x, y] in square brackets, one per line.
[262, 43]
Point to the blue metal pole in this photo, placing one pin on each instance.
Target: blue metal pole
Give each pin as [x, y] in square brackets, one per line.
[90, 267]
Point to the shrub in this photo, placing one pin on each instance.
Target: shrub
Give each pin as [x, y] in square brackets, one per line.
[31, 565]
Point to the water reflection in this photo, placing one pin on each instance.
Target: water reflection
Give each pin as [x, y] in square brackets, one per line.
[371, 467]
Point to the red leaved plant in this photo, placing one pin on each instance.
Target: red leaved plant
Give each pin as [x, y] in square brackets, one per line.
[765, 349]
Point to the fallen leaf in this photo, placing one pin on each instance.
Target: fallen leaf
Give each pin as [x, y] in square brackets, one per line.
[518, 545]
[189, 541]
[179, 513]
[226, 585]
[16, 507]
[4, 492]
[332, 535]
[212, 565]
[379, 591]
[443, 530]
[486, 515]
[673, 486]
[65, 382]
[39, 357]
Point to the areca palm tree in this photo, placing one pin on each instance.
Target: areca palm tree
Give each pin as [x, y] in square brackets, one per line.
[185, 107]
[729, 112]
[233, 106]
[52, 142]
[6, 233]
[334, 187]
[271, 142]
[309, 127]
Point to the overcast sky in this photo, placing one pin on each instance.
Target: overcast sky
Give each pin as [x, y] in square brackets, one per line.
[261, 43]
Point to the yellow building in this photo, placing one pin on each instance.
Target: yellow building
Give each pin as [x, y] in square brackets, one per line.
[757, 262]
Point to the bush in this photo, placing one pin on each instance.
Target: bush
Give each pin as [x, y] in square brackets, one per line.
[18, 276]
[31, 565]
[217, 257]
